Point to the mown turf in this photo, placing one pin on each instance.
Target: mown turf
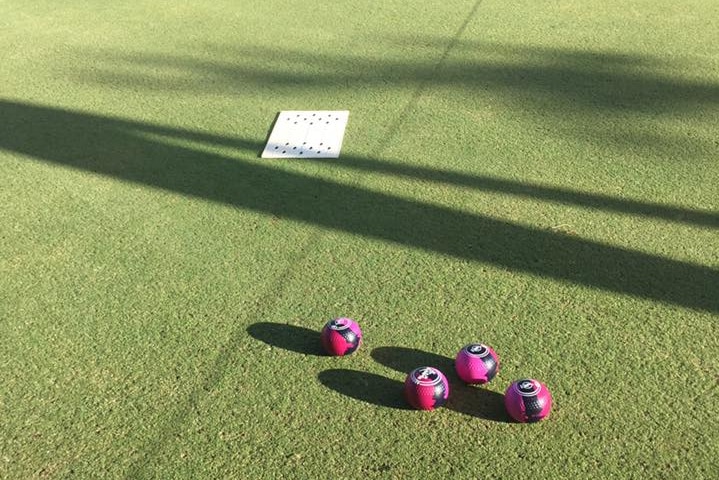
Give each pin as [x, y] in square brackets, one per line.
[540, 176]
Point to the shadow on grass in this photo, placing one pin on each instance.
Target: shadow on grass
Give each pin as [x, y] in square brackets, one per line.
[559, 82]
[137, 152]
[612, 99]
[404, 360]
[470, 400]
[366, 387]
[566, 196]
[585, 80]
[478, 402]
[288, 337]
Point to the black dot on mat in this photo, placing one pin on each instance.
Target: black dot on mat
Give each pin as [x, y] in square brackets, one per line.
[284, 151]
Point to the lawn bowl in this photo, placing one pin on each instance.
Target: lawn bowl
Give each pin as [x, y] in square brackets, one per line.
[426, 388]
[341, 336]
[528, 401]
[476, 363]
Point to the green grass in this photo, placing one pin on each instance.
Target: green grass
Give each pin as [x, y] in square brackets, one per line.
[540, 176]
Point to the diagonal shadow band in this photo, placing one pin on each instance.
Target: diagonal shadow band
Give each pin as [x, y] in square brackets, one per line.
[121, 149]
[587, 80]
[566, 196]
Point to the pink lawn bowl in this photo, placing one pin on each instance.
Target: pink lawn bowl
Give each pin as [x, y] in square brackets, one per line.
[426, 388]
[476, 363]
[341, 336]
[528, 401]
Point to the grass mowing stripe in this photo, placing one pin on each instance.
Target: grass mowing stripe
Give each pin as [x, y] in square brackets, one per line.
[225, 357]
[425, 81]
[273, 293]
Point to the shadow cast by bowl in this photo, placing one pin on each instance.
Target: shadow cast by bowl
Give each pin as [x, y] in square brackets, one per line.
[477, 401]
[366, 387]
[289, 337]
[470, 400]
[405, 359]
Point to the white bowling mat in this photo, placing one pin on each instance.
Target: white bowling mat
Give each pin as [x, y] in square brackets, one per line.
[307, 134]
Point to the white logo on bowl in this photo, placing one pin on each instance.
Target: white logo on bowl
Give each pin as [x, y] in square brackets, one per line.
[477, 350]
[340, 324]
[426, 376]
[528, 388]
